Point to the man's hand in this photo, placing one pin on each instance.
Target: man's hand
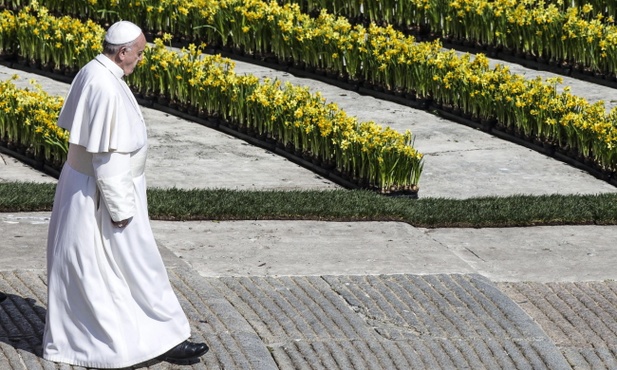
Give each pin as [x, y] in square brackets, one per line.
[122, 224]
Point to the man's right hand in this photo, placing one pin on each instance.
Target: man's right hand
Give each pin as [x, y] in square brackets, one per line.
[121, 224]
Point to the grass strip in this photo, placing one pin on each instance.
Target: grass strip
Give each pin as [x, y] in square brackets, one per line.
[346, 205]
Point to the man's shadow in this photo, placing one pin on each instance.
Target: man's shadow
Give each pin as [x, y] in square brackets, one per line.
[22, 322]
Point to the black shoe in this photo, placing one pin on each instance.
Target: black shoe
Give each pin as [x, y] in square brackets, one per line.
[185, 353]
[2, 296]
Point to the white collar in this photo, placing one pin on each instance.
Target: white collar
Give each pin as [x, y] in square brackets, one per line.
[109, 64]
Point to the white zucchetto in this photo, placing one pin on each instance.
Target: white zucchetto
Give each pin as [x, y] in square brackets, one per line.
[122, 32]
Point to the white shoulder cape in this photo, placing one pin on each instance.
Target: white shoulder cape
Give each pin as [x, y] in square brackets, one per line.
[101, 112]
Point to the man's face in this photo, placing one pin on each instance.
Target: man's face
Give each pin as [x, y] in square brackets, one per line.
[130, 57]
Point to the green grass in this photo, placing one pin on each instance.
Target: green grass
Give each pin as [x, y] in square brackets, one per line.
[346, 205]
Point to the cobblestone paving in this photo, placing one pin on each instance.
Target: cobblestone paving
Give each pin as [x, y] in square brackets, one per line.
[391, 322]
[360, 322]
[580, 318]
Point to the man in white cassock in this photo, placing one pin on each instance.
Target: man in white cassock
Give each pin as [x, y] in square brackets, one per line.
[110, 302]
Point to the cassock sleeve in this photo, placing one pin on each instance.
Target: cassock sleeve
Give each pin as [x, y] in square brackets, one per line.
[115, 182]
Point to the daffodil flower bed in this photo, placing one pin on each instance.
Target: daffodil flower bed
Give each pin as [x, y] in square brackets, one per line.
[579, 33]
[376, 157]
[582, 36]
[370, 155]
[28, 122]
[386, 58]
[48, 42]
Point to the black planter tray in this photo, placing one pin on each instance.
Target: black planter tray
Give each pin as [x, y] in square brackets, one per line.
[37, 164]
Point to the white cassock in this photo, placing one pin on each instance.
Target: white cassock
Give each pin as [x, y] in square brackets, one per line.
[110, 303]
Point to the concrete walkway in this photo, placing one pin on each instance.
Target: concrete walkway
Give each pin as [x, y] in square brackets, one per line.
[365, 295]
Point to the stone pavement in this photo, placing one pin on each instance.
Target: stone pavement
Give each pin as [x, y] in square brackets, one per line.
[363, 295]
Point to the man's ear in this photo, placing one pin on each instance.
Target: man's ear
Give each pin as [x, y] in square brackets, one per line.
[122, 53]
